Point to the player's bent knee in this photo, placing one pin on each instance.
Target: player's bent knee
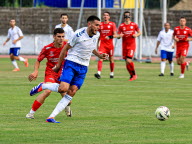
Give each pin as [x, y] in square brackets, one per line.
[62, 90]
[72, 92]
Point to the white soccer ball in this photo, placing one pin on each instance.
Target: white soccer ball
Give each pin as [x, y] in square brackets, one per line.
[162, 113]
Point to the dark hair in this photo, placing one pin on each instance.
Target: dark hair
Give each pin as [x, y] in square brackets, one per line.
[182, 18]
[64, 14]
[126, 12]
[58, 30]
[107, 12]
[92, 18]
[167, 23]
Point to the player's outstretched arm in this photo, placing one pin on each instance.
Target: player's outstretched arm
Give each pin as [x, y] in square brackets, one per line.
[61, 57]
[101, 56]
[33, 76]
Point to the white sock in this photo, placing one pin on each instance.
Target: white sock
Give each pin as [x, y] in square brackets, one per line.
[163, 64]
[15, 64]
[21, 59]
[111, 73]
[61, 105]
[99, 72]
[171, 67]
[32, 111]
[51, 86]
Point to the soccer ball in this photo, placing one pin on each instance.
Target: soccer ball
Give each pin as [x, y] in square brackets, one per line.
[162, 113]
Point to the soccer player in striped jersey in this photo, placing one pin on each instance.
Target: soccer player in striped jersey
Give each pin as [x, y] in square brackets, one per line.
[107, 33]
[50, 52]
[166, 42]
[129, 31]
[68, 29]
[15, 35]
[181, 36]
[79, 49]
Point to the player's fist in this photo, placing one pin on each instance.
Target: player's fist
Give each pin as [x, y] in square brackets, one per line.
[14, 42]
[4, 43]
[104, 56]
[134, 35]
[176, 39]
[56, 68]
[32, 76]
[156, 51]
[120, 35]
[107, 37]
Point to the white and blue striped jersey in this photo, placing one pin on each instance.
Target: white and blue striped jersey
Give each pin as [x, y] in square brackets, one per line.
[82, 46]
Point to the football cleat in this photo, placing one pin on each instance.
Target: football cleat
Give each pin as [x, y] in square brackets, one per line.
[68, 111]
[36, 89]
[181, 76]
[26, 63]
[171, 74]
[111, 76]
[30, 116]
[97, 76]
[134, 77]
[161, 74]
[52, 120]
[16, 69]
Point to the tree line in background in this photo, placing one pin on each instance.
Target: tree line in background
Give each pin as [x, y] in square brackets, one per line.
[16, 3]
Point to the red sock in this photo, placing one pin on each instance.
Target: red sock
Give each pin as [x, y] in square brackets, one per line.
[112, 65]
[99, 65]
[129, 69]
[183, 65]
[132, 66]
[36, 105]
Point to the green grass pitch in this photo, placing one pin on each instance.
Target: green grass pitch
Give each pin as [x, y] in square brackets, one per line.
[105, 111]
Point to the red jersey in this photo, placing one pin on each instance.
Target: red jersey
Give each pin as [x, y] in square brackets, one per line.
[182, 35]
[52, 54]
[128, 30]
[107, 30]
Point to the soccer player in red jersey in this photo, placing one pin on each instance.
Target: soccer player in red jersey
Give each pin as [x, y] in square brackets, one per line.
[51, 52]
[181, 36]
[107, 33]
[129, 31]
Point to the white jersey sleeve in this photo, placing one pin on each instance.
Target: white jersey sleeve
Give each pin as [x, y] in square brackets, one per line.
[9, 34]
[20, 33]
[70, 33]
[58, 26]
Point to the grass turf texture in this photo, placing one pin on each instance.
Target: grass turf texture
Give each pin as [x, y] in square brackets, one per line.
[104, 111]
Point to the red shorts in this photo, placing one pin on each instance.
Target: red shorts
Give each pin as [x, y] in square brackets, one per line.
[52, 77]
[108, 49]
[181, 52]
[128, 53]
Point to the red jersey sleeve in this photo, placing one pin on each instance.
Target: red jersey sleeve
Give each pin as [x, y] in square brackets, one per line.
[174, 32]
[42, 54]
